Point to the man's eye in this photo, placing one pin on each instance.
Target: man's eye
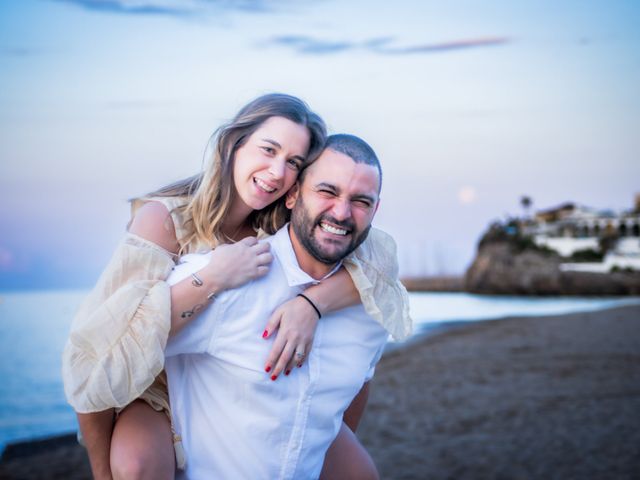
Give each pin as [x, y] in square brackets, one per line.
[362, 203]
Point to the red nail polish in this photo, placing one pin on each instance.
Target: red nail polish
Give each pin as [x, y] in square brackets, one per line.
[268, 368]
[264, 334]
[299, 365]
[273, 377]
[287, 372]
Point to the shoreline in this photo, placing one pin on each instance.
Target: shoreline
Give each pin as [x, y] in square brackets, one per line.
[518, 397]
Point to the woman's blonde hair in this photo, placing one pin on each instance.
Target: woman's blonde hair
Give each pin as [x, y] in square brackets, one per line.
[211, 191]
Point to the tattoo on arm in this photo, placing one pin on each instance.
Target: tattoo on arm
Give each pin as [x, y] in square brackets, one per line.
[192, 312]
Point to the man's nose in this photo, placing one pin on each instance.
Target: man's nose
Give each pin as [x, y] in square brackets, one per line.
[341, 209]
[276, 169]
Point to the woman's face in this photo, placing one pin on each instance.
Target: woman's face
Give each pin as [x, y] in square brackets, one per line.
[268, 163]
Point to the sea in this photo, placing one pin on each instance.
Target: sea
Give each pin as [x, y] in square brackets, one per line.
[34, 326]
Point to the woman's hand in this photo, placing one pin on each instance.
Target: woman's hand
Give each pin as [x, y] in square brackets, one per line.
[296, 322]
[237, 263]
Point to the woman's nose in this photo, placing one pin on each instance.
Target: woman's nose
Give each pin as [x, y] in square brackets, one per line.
[276, 169]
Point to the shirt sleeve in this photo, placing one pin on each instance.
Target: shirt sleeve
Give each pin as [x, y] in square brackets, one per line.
[117, 340]
[373, 267]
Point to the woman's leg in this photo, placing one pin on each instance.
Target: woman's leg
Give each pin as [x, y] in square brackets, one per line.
[96, 431]
[142, 444]
[347, 459]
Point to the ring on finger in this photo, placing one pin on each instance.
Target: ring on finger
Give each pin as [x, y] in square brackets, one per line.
[299, 354]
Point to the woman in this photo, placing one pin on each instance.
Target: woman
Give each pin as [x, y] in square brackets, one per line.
[114, 357]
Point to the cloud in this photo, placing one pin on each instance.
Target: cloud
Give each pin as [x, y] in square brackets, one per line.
[303, 44]
[446, 46]
[310, 45]
[177, 8]
[380, 45]
[377, 42]
[136, 7]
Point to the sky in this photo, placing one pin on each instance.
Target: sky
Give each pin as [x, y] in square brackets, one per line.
[469, 105]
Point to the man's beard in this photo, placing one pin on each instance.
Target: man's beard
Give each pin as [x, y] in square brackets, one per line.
[305, 228]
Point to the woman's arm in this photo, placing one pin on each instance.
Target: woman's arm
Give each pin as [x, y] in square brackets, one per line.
[229, 267]
[334, 293]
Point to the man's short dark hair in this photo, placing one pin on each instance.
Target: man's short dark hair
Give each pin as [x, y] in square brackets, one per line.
[353, 147]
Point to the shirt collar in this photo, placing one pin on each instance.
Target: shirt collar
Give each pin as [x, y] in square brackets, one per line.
[282, 248]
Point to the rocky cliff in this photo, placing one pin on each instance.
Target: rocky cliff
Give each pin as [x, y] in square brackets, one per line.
[510, 264]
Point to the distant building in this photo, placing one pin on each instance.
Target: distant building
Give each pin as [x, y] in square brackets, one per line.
[571, 228]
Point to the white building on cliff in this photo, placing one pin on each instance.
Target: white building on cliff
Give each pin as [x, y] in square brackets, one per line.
[569, 229]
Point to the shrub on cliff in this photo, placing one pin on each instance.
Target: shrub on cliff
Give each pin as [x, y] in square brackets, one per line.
[510, 233]
[586, 255]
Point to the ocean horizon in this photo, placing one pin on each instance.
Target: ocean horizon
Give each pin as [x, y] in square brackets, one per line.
[34, 326]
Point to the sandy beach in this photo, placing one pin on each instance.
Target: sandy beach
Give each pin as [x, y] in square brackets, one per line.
[523, 398]
[529, 398]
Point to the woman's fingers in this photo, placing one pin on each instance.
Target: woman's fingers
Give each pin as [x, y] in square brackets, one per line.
[300, 355]
[272, 324]
[295, 323]
[298, 358]
[249, 241]
[274, 354]
[262, 247]
[307, 349]
[285, 358]
[261, 271]
[264, 258]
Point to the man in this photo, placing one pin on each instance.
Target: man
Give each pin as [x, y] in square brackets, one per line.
[234, 421]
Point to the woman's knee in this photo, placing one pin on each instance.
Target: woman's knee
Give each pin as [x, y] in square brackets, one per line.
[128, 464]
[142, 446]
[138, 462]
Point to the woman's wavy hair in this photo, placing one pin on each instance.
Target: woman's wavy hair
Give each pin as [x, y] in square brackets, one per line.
[211, 191]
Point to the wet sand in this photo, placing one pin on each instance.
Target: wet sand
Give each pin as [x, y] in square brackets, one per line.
[525, 398]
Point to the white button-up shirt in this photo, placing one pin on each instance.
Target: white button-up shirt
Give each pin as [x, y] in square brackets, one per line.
[234, 421]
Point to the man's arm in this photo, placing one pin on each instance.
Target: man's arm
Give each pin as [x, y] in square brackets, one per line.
[354, 411]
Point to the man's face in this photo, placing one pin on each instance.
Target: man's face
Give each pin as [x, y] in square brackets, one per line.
[333, 208]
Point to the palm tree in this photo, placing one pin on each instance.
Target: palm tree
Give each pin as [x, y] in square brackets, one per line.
[526, 202]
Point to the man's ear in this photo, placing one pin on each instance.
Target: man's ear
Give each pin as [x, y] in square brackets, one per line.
[377, 205]
[292, 196]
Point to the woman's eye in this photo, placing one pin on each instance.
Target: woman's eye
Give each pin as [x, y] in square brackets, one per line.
[294, 164]
[268, 150]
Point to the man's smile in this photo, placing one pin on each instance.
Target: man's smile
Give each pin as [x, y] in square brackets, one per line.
[327, 227]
